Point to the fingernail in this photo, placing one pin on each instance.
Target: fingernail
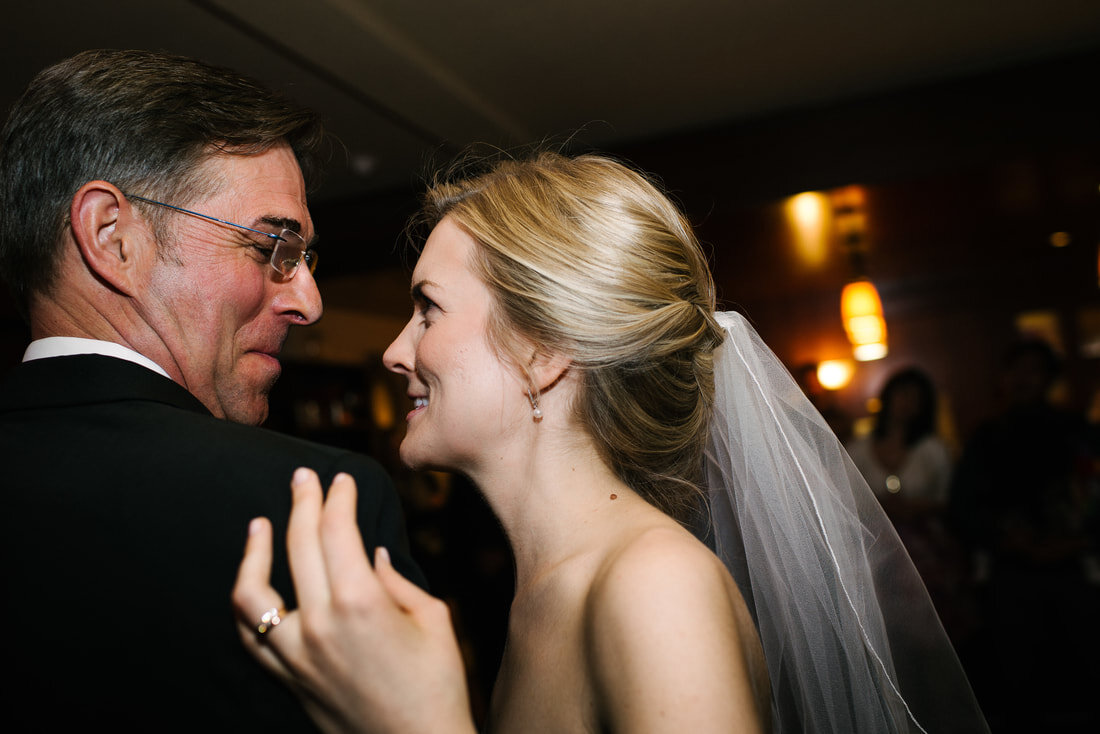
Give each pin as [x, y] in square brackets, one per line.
[301, 474]
[254, 526]
[341, 476]
[381, 554]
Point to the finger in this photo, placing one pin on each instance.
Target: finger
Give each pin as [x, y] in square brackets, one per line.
[345, 556]
[277, 648]
[404, 593]
[431, 614]
[252, 589]
[303, 540]
[253, 595]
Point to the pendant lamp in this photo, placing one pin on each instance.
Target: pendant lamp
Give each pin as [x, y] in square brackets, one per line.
[861, 311]
[860, 305]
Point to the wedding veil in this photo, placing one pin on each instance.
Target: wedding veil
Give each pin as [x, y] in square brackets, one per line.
[852, 641]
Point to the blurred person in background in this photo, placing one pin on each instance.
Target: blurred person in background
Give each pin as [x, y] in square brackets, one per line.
[1024, 502]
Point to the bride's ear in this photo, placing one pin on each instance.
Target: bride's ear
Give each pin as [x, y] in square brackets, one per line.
[546, 369]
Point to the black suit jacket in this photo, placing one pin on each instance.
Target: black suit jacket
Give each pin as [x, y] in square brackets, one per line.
[124, 516]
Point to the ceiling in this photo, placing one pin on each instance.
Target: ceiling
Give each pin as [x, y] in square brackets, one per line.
[403, 83]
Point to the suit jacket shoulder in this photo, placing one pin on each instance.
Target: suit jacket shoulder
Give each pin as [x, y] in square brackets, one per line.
[126, 506]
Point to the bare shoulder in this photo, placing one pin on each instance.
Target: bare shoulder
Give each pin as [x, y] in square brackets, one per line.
[669, 637]
[662, 560]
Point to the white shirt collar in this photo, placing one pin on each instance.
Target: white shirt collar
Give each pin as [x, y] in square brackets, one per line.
[63, 346]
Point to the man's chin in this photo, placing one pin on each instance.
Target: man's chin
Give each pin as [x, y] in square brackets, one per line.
[248, 407]
[249, 413]
[253, 417]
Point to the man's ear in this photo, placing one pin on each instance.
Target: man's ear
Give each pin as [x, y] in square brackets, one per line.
[111, 238]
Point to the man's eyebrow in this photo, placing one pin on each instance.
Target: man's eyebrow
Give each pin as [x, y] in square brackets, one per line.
[286, 223]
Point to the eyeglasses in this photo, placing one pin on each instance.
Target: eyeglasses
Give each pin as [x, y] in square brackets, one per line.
[288, 249]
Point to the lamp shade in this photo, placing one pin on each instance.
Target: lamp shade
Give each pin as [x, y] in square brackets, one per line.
[861, 311]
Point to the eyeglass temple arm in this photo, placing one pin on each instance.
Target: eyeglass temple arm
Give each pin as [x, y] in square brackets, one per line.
[206, 216]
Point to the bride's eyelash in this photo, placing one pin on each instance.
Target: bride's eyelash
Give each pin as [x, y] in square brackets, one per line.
[423, 309]
[422, 306]
[421, 303]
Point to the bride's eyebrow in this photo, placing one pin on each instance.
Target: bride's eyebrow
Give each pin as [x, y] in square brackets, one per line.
[417, 290]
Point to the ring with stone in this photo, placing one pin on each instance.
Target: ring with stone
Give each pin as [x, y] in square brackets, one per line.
[269, 621]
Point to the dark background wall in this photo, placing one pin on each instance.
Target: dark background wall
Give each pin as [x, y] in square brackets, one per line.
[965, 183]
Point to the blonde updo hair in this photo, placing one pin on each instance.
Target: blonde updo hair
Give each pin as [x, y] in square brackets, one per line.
[587, 258]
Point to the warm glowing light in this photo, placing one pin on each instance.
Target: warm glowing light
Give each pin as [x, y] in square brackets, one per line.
[869, 352]
[861, 310]
[849, 197]
[808, 208]
[869, 329]
[860, 298]
[808, 214]
[834, 374]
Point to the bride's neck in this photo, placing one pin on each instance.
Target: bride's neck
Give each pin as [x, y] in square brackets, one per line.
[553, 499]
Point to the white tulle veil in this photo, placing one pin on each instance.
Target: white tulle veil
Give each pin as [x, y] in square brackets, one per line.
[852, 640]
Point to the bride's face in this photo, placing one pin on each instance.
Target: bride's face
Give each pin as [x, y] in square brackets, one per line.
[466, 399]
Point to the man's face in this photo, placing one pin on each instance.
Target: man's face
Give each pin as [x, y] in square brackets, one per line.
[219, 309]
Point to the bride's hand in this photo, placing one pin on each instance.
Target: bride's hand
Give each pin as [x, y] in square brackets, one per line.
[366, 650]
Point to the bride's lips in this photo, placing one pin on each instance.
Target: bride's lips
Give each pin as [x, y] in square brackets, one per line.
[420, 403]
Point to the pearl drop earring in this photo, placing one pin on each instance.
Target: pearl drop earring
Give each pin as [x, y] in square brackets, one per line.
[536, 411]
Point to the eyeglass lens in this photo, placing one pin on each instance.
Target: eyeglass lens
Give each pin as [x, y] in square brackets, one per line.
[290, 250]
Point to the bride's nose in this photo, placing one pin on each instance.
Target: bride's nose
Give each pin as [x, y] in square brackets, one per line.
[398, 356]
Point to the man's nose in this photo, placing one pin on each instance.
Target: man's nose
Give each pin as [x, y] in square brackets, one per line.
[299, 297]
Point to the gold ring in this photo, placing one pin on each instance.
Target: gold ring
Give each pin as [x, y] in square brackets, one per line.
[269, 621]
